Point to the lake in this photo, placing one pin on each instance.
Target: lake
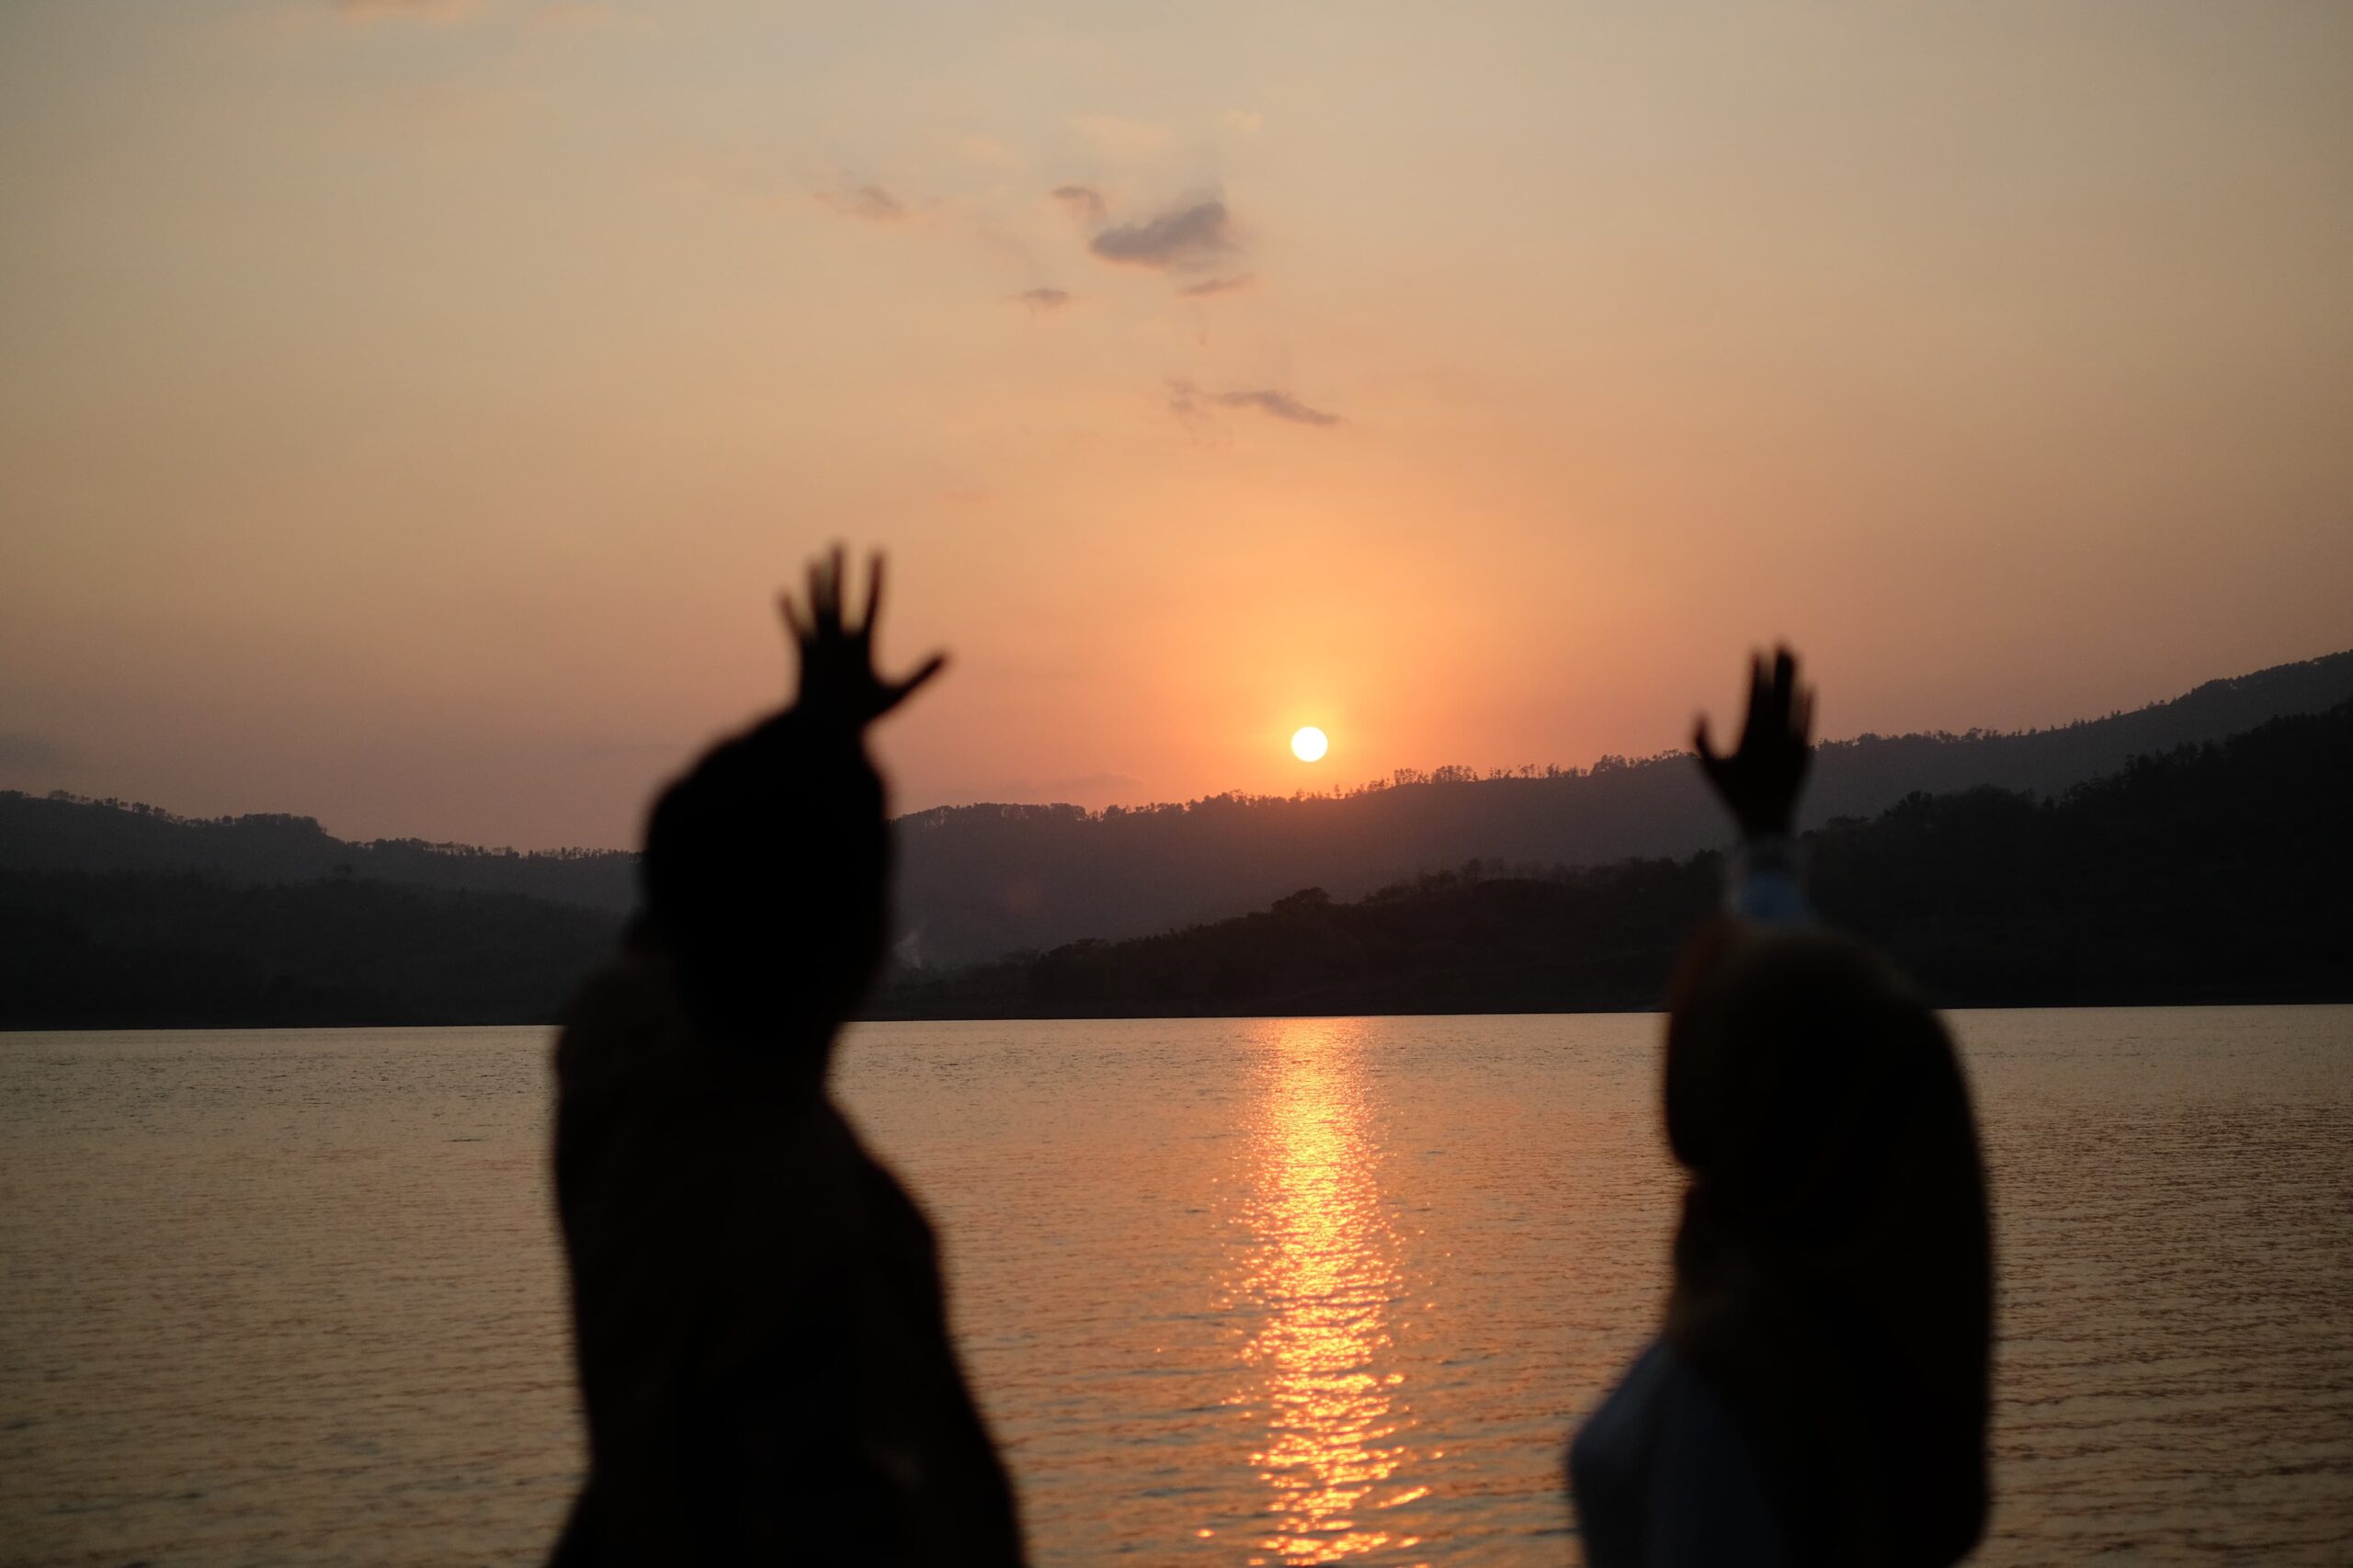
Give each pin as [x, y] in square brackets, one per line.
[1232, 1290]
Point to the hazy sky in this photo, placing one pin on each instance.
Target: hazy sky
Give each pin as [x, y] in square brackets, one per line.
[407, 410]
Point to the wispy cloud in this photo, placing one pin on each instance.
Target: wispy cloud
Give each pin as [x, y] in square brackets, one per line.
[1188, 402]
[867, 202]
[1280, 405]
[1209, 286]
[1043, 299]
[1248, 121]
[1188, 236]
[1084, 201]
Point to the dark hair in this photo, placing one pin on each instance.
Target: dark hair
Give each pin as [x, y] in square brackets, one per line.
[765, 878]
[1834, 1266]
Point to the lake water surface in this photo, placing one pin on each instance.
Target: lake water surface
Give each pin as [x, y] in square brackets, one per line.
[1233, 1291]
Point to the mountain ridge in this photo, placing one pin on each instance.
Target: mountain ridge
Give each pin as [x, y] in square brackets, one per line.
[2216, 872]
[2220, 872]
[981, 882]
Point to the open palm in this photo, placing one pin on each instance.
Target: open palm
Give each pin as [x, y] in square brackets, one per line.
[837, 676]
[1759, 783]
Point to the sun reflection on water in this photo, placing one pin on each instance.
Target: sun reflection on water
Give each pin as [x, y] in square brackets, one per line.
[1324, 1272]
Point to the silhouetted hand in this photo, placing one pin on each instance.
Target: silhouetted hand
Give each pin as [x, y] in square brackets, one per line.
[838, 678]
[1759, 782]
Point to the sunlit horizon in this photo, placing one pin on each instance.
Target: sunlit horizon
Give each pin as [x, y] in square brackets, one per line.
[410, 408]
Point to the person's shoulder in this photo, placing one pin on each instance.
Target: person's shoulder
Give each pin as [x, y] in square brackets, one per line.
[1610, 1458]
[829, 1143]
[1621, 1427]
[1662, 1402]
[797, 1204]
[1662, 1473]
[626, 1007]
[1710, 1500]
[847, 1203]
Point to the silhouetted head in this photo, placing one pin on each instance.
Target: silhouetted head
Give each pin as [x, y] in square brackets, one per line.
[765, 877]
[1834, 1266]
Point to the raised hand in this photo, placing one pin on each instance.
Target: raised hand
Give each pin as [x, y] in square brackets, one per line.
[838, 677]
[1759, 782]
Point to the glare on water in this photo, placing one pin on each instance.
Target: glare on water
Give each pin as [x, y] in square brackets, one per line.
[1232, 1291]
[1325, 1272]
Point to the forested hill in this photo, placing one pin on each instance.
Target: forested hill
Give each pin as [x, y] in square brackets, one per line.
[980, 882]
[2208, 874]
[61, 833]
[186, 950]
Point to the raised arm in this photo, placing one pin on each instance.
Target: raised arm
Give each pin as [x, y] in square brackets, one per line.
[776, 841]
[838, 682]
[1759, 784]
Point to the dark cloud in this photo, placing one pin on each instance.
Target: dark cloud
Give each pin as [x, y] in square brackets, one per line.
[1281, 404]
[1083, 200]
[869, 201]
[1182, 236]
[1043, 299]
[1188, 402]
[1209, 286]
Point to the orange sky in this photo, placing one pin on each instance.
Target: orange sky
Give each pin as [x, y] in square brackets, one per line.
[406, 409]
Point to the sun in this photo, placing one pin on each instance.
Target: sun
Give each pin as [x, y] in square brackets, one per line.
[1308, 744]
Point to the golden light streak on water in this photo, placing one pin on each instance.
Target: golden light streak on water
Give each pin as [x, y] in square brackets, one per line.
[1326, 1273]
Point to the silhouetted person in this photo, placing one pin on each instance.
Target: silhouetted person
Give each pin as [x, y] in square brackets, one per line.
[1819, 1392]
[762, 1342]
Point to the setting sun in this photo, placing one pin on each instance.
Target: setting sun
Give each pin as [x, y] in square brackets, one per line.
[1308, 744]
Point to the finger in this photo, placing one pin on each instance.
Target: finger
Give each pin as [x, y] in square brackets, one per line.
[829, 613]
[873, 593]
[820, 594]
[1701, 743]
[791, 617]
[931, 667]
[1759, 695]
[1785, 679]
[1801, 720]
[817, 596]
[906, 688]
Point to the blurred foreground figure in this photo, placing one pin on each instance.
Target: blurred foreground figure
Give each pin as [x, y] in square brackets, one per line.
[1819, 1392]
[763, 1346]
